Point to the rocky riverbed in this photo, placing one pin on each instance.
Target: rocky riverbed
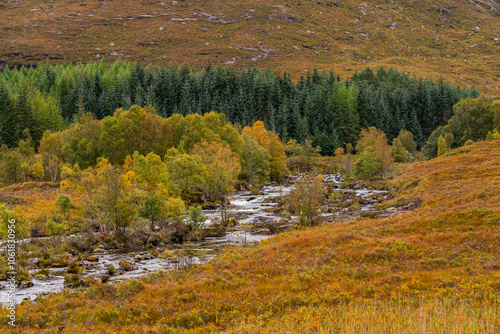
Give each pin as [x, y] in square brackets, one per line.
[255, 216]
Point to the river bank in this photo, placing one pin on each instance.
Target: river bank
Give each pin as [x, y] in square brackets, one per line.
[254, 216]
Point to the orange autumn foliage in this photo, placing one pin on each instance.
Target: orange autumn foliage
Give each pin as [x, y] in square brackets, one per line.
[270, 141]
[439, 260]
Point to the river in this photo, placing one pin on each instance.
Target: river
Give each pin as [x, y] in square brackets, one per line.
[248, 209]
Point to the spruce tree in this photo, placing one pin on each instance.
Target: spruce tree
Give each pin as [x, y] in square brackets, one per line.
[68, 109]
[282, 118]
[23, 110]
[301, 128]
[415, 129]
[8, 118]
[270, 117]
[345, 106]
[185, 98]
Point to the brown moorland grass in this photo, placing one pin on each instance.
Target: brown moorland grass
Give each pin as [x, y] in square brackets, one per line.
[434, 269]
[455, 39]
[33, 202]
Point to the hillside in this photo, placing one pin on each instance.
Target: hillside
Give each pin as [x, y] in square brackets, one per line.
[455, 39]
[433, 269]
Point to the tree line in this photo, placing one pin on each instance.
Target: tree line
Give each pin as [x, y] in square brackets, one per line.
[320, 107]
[139, 164]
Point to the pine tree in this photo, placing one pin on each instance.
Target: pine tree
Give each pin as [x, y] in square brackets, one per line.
[8, 118]
[429, 109]
[364, 105]
[23, 110]
[346, 110]
[136, 83]
[270, 119]
[385, 116]
[239, 107]
[248, 117]
[80, 110]
[185, 107]
[92, 96]
[415, 129]
[282, 119]
[69, 106]
[310, 109]
[302, 129]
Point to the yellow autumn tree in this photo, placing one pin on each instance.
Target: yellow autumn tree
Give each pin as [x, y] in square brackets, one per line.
[306, 201]
[223, 168]
[374, 154]
[51, 149]
[277, 150]
[108, 196]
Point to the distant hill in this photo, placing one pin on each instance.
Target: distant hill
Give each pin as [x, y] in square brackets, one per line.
[456, 39]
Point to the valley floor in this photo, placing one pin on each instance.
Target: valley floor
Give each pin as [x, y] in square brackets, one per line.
[434, 269]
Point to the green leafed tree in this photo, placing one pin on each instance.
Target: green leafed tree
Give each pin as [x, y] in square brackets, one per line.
[254, 161]
[448, 138]
[64, 204]
[187, 174]
[51, 149]
[366, 164]
[441, 146]
[374, 154]
[406, 139]
[472, 119]
[399, 152]
[108, 196]
[306, 201]
[223, 168]
[496, 117]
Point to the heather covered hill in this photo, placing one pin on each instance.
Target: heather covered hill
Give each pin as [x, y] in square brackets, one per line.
[457, 39]
[432, 269]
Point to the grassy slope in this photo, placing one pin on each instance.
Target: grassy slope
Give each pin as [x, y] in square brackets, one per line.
[33, 202]
[299, 35]
[434, 269]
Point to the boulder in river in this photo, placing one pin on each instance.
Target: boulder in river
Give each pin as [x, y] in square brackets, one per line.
[26, 284]
[111, 270]
[58, 264]
[128, 266]
[74, 268]
[369, 214]
[90, 265]
[105, 278]
[285, 227]
[263, 231]
[33, 262]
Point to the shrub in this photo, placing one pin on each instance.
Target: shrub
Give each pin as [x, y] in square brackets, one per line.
[111, 270]
[53, 227]
[305, 201]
